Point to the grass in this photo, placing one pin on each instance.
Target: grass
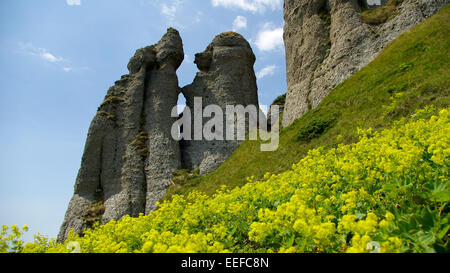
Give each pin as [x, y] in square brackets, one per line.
[381, 14]
[140, 142]
[182, 177]
[107, 115]
[315, 128]
[230, 34]
[95, 211]
[112, 100]
[411, 73]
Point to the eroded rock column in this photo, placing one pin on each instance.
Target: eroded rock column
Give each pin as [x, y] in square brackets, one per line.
[129, 154]
[160, 97]
[226, 77]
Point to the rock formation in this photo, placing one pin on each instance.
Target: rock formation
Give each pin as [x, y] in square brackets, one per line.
[226, 77]
[327, 42]
[280, 102]
[130, 155]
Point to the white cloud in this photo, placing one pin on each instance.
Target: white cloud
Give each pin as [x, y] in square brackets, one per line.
[249, 5]
[187, 59]
[176, 13]
[239, 23]
[40, 52]
[170, 9]
[73, 2]
[76, 69]
[50, 57]
[180, 108]
[264, 109]
[47, 57]
[266, 71]
[199, 16]
[269, 38]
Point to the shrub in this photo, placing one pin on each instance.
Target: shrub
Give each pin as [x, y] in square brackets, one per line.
[315, 128]
[281, 100]
[112, 100]
[381, 14]
[181, 177]
[107, 115]
[10, 239]
[140, 143]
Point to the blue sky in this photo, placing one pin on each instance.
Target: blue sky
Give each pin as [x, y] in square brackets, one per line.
[59, 57]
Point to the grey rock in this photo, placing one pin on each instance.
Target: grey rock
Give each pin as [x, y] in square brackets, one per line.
[280, 102]
[226, 77]
[129, 154]
[326, 43]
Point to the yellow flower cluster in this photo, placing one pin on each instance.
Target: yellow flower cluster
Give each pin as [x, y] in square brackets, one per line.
[10, 238]
[347, 199]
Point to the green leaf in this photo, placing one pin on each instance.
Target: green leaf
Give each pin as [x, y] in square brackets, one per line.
[360, 215]
[443, 232]
[438, 191]
[428, 219]
[425, 238]
[290, 241]
[441, 248]
[443, 196]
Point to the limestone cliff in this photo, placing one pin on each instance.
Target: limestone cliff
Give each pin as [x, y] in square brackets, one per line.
[327, 42]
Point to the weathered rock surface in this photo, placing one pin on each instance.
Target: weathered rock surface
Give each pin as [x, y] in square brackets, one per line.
[326, 42]
[226, 77]
[280, 102]
[130, 155]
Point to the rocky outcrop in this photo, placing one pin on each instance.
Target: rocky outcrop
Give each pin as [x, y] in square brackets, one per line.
[130, 155]
[327, 42]
[226, 77]
[280, 102]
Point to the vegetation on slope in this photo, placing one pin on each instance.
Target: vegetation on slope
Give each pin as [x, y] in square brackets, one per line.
[387, 193]
[364, 190]
[412, 72]
[381, 14]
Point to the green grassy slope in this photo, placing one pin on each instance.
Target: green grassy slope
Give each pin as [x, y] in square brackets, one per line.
[411, 73]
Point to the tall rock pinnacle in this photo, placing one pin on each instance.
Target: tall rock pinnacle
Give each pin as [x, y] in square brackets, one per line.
[226, 77]
[130, 155]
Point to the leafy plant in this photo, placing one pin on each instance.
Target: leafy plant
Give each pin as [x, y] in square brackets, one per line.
[315, 128]
[181, 177]
[359, 101]
[381, 14]
[346, 199]
[10, 239]
[280, 100]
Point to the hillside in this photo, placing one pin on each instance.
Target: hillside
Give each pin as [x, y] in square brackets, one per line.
[366, 171]
[411, 73]
[387, 193]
